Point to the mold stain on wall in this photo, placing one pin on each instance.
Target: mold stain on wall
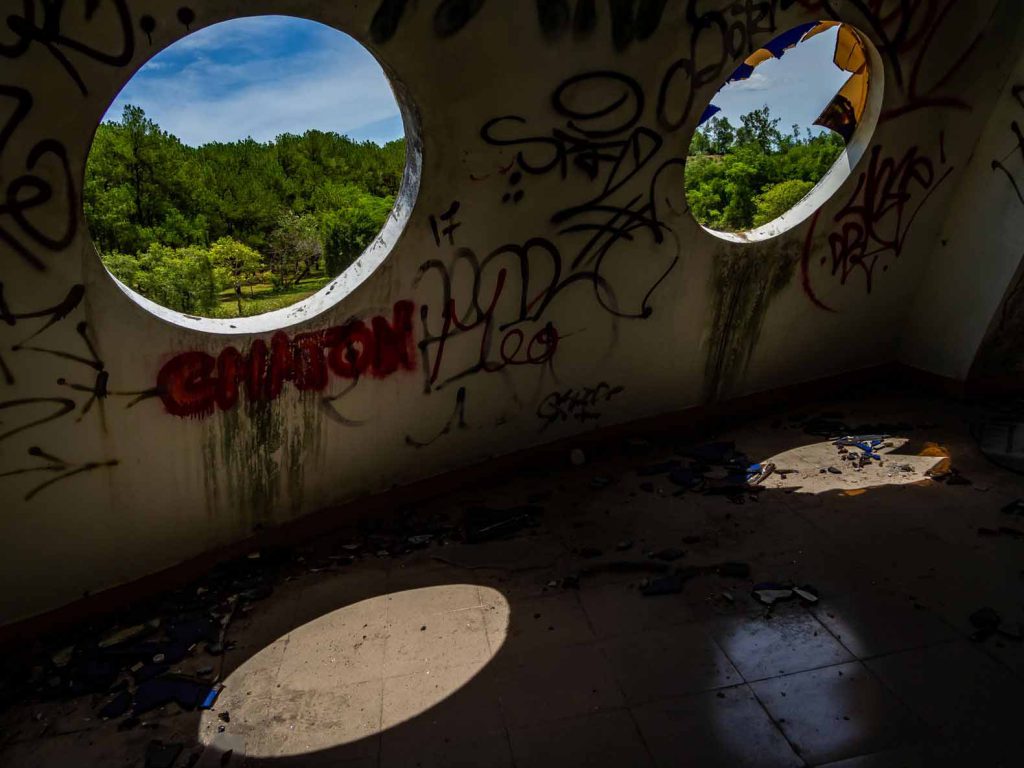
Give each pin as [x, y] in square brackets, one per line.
[255, 458]
[743, 284]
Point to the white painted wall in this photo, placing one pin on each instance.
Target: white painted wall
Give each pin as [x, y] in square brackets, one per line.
[981, 245]
[182, 486]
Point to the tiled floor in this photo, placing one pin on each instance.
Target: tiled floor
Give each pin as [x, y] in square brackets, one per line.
[476, 655]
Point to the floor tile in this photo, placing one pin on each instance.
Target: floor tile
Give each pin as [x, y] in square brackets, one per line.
[556, 683]
[673, 662]
[428, 640]
[837, 712]
[872, 624]
[615, 609]
[526, 625]
[428, 749]
[788, 641]
[345, 721]
[452, 699]
[953, 686]
[342, 647]
[601, 740]
[910, 757]
[715, 729]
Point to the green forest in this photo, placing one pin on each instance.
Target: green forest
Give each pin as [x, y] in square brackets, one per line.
[741, 177]
[234, 229]
[240, 228]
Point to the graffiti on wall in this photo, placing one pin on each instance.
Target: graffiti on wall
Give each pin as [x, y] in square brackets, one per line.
[925, 45]
[627, 181]
[629, 21]
[1001, 353]
[195, 384]
[603, 144]
[869, 233]
[39, 210]
[58, 469]
[579, 404]
[1000, 164]
[457, 420]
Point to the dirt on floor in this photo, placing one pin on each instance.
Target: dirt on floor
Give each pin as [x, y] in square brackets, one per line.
[837, 586]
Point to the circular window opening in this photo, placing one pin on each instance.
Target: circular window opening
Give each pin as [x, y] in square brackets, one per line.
[253, 173]
[784, 132]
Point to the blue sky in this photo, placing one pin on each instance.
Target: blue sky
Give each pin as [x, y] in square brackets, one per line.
[261, 77]
[268, 75]
[797, 87]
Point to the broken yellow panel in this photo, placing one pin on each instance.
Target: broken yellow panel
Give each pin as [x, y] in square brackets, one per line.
[850, 55]
[856, 92]
[844, 112]
[824, 26]
[935, 450]
[758, 57]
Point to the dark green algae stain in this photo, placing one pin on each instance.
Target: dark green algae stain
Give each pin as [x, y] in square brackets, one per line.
[744, 282]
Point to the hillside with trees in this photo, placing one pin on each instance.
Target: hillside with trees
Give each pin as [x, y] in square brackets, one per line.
[739, 178]
[236, 229]
[239, 228]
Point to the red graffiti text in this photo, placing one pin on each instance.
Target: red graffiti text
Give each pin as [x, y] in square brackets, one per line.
[196, 383]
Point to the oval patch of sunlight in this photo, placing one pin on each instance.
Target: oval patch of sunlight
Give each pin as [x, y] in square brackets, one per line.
[333, 684]
[821, 468]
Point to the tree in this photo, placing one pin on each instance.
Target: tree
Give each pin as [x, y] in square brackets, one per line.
[295, 249]
[736, 180]
[720, 134]
[777, 200]
[237, 265]
[759, 128]
[281, 199]
[176, 278]
[700, 144]
[349, 231]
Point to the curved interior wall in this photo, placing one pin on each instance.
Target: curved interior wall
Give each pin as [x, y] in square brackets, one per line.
[548, 279]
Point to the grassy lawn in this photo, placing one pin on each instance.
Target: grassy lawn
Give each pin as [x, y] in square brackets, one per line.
[263, 298]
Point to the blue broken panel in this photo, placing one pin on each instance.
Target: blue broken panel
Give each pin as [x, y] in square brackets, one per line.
[710, 112]
[787, 40]
[743, 71]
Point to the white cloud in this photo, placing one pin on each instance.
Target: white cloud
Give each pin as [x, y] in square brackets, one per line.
[335, 87]
[756, 82]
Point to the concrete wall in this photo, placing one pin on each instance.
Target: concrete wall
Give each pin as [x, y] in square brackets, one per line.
[563, 301]
[969, 291]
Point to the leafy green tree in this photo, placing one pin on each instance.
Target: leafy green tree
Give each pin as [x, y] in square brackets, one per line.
[236, 265]
[739, 179]
[349, 228]
[282, 200]
[177, 278]
[296, 248]
[720, 134]
[759, 128]
[777, 200]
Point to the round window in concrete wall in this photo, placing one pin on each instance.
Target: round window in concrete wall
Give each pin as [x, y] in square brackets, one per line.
[251, 173]
[784, 132]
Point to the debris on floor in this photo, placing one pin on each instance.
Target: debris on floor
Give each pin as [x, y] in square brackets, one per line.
[485, 524]
[588, 530]
[161, 755]
[714, 469]
[770, 593]
[1015, 507]
[673, 583]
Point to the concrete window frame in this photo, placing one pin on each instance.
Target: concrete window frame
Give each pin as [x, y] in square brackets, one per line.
[348, 281]
[840, 171]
